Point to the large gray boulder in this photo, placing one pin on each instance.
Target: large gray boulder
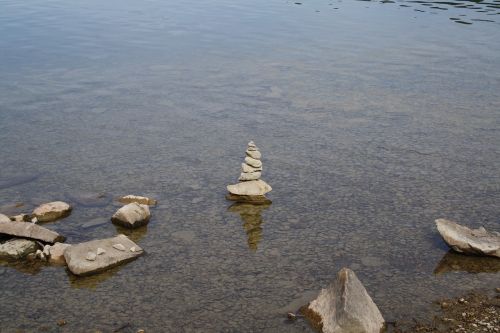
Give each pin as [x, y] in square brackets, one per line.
[30, 230]
[469, 241]
[98, 255]
[17, 248]
[132, 215]
[345, 307]
[51, 211]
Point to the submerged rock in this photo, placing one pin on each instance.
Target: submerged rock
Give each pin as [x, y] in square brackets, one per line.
[86, 199]
[132, 215]
[30, 230]
[78, 264]
[17, 248]
[137, 199]
[345, 307]
[469, 241]
[52, 211]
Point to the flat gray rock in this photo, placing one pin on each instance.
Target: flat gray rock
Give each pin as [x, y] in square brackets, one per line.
[469, 241]
[76, 255]
[246, 176]
[253, 162]
[132, 215]
[252, 188]
[17, 248]
[30, 230]
[345, 307]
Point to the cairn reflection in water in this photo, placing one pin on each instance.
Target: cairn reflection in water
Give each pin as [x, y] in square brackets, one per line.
[251, 215]
[456, 262]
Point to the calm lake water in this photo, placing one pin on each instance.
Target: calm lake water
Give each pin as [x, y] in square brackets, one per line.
[373, 118]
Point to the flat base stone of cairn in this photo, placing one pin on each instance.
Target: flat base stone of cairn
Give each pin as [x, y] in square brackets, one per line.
[30, 230]
[137, 199]
[252, 187]
[344, 307]
[83, 259]
[133, 215]
[251, 199]
[469, 241]
[52, 211]
[17, 248]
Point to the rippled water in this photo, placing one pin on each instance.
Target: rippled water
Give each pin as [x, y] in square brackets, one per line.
[373, 120]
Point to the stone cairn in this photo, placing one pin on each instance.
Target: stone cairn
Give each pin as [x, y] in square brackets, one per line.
[250, 188]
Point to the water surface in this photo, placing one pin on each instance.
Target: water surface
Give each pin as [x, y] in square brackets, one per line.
[373, 119]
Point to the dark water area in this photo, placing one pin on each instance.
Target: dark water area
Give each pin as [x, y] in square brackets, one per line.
[373, 118]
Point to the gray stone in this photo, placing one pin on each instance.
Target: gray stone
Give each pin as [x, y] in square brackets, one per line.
[246, 176]
[132, 215]
[251, 188]
[253, 162]
[17, 248]
[76, 254]
[100, 251]
[137, 199]
[469, 241]
[30, 230]
[91, 256]
[248, 168]
[119, 247]
[4, 218]
[255, 154]
[52, 211]
[56, 253]
[21, 218]
[345, 307]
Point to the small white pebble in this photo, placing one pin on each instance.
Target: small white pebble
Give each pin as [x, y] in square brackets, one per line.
[100, 251]
[119, 247]
[34, 220]
[91, 256]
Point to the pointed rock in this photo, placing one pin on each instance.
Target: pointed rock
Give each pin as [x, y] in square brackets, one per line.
[252, 187]
[345, 307]
[253, 162]
[245, 176]
[469, 241]
[30, 230]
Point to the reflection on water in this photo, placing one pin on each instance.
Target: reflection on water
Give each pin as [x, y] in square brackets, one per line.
[464, 11]
[92, 281]
[251, 215]
[456, 262]
[30, 267]
[134, 234]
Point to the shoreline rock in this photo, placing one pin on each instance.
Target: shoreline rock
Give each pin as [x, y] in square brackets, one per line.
[30, 230]
[469, 241]
[17, 248]
[344, 307]
[137, 199]
[77, 254]
[52, 211]
[133, 215]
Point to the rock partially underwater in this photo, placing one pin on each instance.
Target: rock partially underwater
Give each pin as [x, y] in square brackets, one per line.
[30, 230]
[132, 215]
[99, 255]
[469, 241]
[344, 307]
[52, 211]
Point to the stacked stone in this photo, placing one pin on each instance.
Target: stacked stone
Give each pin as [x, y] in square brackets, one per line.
[250, 187]
[252, 168]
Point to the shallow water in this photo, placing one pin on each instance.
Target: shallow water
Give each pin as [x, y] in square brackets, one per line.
[373, 118]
